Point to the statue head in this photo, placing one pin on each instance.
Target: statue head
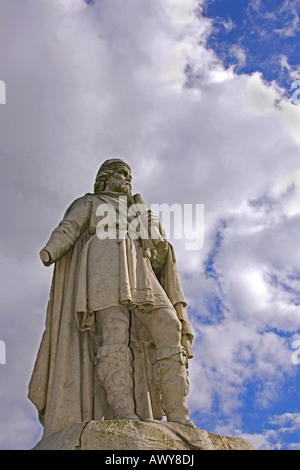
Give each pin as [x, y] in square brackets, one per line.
[113, 175]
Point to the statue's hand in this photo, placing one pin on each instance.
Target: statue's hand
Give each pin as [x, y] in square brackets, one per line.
[152, 222]
[45, 257]
[186, 343]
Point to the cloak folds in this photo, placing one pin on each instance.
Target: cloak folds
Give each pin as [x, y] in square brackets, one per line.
[63, 386]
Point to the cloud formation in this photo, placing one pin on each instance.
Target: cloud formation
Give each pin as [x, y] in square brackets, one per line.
[137, 80]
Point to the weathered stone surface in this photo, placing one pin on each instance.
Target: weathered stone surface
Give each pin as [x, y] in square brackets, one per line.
[67, 438]
[137, 435]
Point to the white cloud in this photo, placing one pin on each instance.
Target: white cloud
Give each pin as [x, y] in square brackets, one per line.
[112, 80]
[282, 426]
[266, 98]
[255, 287]
[288, 9]
[182, 10]
[231, 354]
[71, 5]
[261, 97]
[228, 24]
[290, 183]
[293, 70]
[240, 54]
[291, 421]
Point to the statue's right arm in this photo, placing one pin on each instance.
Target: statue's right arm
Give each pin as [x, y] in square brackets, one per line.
[45, 257]
[68, 231]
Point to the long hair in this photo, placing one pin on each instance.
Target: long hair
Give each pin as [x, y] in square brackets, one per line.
[100, 181]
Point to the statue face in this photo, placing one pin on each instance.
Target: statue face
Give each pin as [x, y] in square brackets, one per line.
[119, 181]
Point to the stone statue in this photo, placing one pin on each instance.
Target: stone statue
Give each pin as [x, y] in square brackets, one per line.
[117, 337]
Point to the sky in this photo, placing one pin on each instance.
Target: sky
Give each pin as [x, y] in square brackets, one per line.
[201, 98]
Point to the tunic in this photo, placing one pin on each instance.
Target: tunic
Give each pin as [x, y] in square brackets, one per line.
[112, 271]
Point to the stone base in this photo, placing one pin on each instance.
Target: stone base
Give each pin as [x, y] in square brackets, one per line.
[137, 435]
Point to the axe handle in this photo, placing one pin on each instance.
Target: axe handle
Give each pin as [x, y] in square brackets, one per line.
[158, 241]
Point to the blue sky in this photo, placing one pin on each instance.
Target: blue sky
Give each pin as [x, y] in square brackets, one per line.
[196, 96]
[248, 37]
[257, 36]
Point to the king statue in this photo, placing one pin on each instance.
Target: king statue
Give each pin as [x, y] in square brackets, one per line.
[117, 337]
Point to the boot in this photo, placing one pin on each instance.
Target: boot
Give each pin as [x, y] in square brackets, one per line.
[171, 377]
[114, 371]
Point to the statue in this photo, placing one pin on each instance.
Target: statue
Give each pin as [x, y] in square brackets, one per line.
[117, 338]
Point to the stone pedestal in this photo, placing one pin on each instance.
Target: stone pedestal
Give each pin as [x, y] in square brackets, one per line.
[137, 435]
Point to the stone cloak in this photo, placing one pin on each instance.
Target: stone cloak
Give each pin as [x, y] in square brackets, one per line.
[64, 386]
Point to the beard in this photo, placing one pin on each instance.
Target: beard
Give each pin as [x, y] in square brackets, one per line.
[120, 186]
